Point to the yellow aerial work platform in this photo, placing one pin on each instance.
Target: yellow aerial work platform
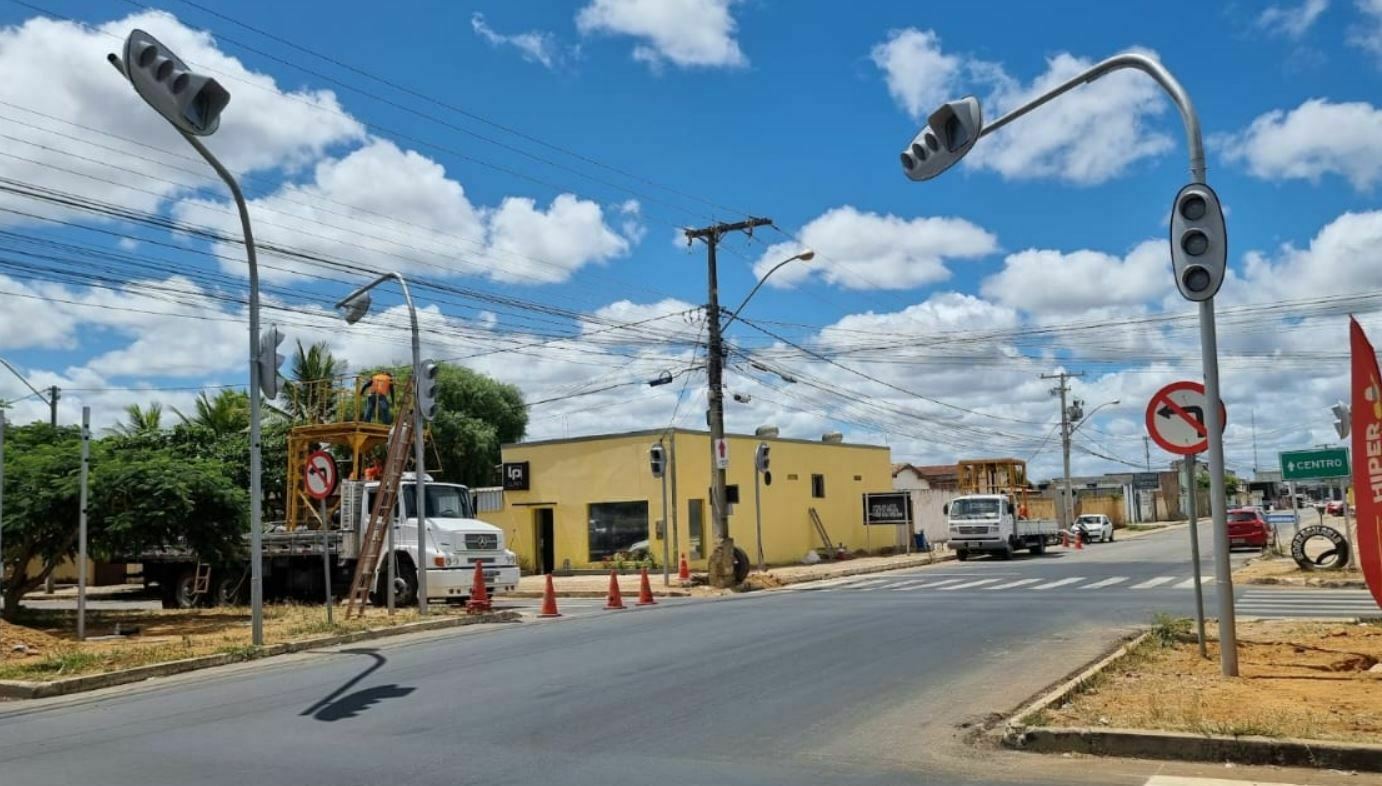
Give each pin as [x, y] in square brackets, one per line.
[329, 412]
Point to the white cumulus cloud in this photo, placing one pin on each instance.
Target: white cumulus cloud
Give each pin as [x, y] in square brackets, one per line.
[1091, 135]
[535, 46]
[1291, 21]
[1317, 138]
[686, 33]
[1047, 281]
[865, 250]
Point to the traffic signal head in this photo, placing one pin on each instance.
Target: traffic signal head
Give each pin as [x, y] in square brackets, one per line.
[949, 134]
[427, 389]
[269, 360]
[1199, 242]
[191, 102]
[761, 458]
[1343, 419]
[657, 459]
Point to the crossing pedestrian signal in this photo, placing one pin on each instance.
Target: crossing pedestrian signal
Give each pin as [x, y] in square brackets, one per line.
[761, 458]
[427, 390]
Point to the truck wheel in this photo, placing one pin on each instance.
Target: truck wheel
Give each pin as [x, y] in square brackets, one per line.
[1006, 553]
[230, 587]
[177, 594]
[405, 582]
[1039, 547]
[961, 555]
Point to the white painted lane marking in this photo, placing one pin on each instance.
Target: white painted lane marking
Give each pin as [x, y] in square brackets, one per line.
[1012, 584]
[1061, 583]
[969, 584]
[1106, 582]
[1156, 582]
[1177, 780]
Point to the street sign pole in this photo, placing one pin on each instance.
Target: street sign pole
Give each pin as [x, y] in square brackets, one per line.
[1348, 537]
[666, 552]
[1195, 550]
[758, 514]
[81, 525]
[326, 560]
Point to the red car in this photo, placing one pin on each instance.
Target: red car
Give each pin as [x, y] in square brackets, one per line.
[1334, 507]
[1248, 527]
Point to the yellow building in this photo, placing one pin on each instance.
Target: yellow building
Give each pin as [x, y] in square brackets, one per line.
[573, 503]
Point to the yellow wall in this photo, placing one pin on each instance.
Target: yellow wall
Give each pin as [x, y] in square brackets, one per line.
[568, 475]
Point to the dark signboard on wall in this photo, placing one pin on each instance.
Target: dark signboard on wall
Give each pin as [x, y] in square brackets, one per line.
[516, 476]
[894, 508]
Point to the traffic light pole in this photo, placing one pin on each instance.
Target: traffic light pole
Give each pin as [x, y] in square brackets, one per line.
[1209, 350]
[721, 560]
[256, 465]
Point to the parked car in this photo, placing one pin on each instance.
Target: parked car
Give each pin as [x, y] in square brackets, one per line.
[1094, 527]
[1248, 527]
[1334, 507]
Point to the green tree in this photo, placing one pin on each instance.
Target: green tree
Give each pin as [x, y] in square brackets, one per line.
[140, 419]
[311, 392]
[145, 489]
[227, 413]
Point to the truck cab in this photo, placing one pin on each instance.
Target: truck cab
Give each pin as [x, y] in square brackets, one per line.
[456, 540]
[992, 523]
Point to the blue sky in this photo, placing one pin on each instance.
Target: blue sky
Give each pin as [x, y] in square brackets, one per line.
[929, 310]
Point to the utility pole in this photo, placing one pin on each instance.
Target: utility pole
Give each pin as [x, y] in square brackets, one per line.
[53, 395]
[1066, 508]
[721, 560]
[1254, 444]
[1147, 451]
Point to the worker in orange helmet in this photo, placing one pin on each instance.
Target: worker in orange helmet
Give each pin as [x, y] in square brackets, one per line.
[379, 397]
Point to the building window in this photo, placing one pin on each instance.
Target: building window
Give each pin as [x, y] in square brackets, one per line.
[792, 476]
[695, 526]
[616, 526]
[818, 486]
[858, 477]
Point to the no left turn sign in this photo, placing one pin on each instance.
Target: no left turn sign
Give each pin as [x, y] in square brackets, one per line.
[1176, 421]
[319, 476]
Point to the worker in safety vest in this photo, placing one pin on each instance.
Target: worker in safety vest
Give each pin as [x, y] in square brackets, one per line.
[379, 397]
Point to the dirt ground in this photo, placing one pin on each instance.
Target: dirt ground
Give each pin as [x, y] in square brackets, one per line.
[1275, 569]
[44, 647]
[1308, 680]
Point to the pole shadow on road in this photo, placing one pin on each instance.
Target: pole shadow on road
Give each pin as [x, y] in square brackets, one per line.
[338, 705]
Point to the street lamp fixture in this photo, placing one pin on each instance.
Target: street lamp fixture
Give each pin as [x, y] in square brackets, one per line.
[806, 255]
[192, 104]
[1090, 415]
[1198, 253]
[353, 308]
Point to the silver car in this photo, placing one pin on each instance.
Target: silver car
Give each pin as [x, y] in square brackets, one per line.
[1095, 526]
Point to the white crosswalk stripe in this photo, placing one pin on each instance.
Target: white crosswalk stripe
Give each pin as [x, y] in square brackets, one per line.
[1011, 584]
[1061, 583]
[1189, 583]
[1106, 582]
[969, 584]
[1307, 603]
[911, 585]
[1156, 582]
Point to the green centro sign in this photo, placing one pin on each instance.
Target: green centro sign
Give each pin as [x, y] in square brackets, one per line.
[1314, 464]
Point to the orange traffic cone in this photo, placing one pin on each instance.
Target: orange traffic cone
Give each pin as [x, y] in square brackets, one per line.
[1064, 539]
[479, 595]
[614, 600]
[1079, 542]
[683, 570]
[549, 600]
[645, 591]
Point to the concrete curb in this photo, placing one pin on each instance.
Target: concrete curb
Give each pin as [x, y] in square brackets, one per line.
[917, 563]
[1271, 581]
[1172, 745]
[1068, 688]
[586, 594]
[1181, 746]
[17, 689]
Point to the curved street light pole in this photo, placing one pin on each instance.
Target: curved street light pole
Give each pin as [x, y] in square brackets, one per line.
[805, 256]
[361, 296]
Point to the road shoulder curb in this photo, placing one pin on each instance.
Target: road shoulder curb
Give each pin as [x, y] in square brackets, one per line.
[21, 689]
[1173, 745]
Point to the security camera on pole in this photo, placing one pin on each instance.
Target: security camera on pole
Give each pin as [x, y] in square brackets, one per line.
[1199, 245]
[192, 104]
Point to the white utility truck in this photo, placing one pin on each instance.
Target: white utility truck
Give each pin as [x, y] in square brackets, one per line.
[294, 565]
[993, 518]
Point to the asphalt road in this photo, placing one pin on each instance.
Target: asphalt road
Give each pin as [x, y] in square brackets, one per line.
[826, 686]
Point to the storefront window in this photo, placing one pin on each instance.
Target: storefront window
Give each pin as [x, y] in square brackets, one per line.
[617, 527]
[695, 526]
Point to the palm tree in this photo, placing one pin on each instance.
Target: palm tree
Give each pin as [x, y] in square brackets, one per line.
[227, 413]
[140, 420]
[311, 393]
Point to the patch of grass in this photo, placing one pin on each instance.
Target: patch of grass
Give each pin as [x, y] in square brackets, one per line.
[1144, 527]
[1038, 718]
[55, 664]
[1168, 630]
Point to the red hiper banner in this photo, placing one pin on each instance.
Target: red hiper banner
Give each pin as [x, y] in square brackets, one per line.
[1367, 456]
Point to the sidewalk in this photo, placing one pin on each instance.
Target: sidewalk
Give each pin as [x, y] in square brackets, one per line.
[597, 586]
